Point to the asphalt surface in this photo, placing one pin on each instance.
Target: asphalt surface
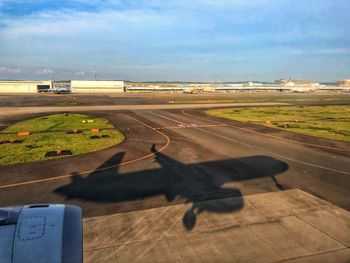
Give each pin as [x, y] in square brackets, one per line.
[176, 156]
[59, 100]
[19, 111]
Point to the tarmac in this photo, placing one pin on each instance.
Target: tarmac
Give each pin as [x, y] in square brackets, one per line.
[288, 226]
[34, 110]
[188, 187]
[44, 99]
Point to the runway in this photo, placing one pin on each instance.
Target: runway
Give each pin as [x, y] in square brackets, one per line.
[176, 156]
[19, 111]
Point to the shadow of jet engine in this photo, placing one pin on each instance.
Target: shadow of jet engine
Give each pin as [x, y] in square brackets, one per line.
[193, 182]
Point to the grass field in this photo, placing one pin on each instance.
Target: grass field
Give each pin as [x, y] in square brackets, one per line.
[332, 122]
[263, 99]
[49, 133]
[296, 98]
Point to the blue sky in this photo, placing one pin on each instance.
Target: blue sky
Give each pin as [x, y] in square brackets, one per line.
[185, 40]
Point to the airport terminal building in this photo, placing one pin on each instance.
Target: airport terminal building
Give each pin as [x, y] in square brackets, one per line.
[343, 83]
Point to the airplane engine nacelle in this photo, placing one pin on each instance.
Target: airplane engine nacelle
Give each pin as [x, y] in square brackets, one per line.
[41, 233]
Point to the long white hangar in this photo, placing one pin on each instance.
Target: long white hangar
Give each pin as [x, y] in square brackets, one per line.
[25, 86]
[88, 86]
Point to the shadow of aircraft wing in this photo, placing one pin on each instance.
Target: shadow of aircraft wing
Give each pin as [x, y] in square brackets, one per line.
[112, 165]
[195, 183]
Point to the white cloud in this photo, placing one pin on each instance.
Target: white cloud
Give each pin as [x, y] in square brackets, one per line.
[10, 70]
[65, 22]
[45, 71]
[119, 37]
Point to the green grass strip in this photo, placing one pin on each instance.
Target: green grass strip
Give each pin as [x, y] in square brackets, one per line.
[331, 122]
[49, 133]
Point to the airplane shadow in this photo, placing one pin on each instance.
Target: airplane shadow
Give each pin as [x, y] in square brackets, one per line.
[193, 182]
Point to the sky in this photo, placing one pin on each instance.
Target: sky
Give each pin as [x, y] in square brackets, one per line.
[175, 40]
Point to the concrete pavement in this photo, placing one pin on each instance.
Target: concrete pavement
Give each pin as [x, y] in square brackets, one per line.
[288, 226]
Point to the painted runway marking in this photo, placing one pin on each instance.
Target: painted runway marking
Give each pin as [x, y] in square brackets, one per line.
[269, 135]
[183, 125]
[191, 126]
[168, 118]
[273, 154]
[101, 169]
